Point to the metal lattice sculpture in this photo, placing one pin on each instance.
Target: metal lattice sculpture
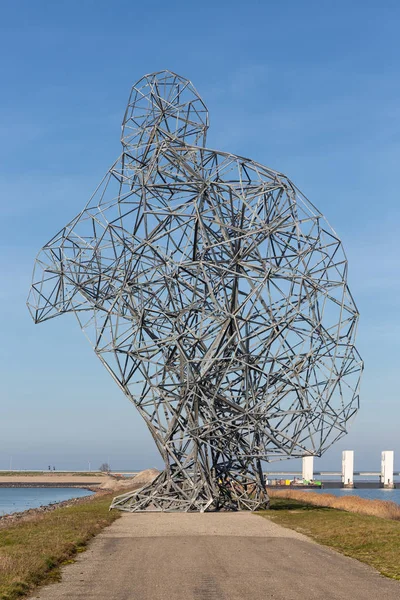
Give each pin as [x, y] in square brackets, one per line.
[216, 296]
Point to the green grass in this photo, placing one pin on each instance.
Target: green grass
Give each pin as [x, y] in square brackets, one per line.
[32, 551]
[372, 540]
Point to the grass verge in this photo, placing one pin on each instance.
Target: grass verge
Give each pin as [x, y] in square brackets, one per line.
[374, 508]
[32, 551]
[372, 540]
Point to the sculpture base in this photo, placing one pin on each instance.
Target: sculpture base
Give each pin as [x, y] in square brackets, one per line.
[174, 494]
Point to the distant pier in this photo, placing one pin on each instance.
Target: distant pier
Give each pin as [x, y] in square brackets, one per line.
[307, 476]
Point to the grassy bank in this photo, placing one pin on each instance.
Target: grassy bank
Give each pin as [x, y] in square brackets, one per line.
[32, 551]
[353, 503]
[370, 539]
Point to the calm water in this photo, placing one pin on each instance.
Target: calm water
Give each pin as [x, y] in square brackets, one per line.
[370, 494]
[18, 499]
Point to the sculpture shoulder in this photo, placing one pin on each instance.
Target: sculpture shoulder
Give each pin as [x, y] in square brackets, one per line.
[175, 161]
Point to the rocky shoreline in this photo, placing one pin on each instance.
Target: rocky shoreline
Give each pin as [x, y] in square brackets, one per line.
[110, 485]
[34, 513]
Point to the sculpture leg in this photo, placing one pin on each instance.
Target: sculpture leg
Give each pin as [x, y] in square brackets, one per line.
[180, 490]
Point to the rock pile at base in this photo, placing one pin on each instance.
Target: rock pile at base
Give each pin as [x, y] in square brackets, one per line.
[116, 484]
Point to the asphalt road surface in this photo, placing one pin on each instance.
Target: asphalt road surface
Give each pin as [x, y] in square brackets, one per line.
[212, 556]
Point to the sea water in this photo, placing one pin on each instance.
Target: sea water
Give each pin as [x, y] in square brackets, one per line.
[19, 499]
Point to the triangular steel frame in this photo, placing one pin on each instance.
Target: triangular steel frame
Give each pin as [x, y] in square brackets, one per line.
[216, 296]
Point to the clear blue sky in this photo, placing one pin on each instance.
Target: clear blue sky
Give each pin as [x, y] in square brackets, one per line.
[308, 88]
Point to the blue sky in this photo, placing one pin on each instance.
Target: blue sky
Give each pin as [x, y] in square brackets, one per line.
[308, 88]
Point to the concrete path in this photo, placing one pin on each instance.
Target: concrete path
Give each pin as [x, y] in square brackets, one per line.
[212, 556]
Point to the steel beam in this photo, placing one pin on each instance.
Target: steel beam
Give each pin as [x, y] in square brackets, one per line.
[216, 296]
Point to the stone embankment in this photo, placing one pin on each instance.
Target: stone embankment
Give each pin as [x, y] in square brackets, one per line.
[33, 513]
[108, 483]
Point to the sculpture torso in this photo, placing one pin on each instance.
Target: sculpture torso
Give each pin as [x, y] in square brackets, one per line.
[214, 293]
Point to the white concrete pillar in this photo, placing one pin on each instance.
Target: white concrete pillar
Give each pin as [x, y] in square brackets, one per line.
[387, 466]
[308, 468]
[347, 468]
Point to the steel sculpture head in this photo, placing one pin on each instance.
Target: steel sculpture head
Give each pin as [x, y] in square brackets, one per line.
[216, 295]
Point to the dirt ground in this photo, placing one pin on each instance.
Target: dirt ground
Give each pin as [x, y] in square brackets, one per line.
[51, 478]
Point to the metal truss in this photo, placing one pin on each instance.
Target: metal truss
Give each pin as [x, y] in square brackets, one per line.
[216, 296]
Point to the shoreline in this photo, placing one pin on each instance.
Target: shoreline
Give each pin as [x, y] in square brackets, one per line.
[44, 480]
[102, 485]
[37, 542]
[33, 513]
[47, 484]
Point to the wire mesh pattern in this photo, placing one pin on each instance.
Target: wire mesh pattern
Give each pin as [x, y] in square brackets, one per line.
[216, 296]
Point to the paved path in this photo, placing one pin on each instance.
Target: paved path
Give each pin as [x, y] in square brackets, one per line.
[212, 556]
